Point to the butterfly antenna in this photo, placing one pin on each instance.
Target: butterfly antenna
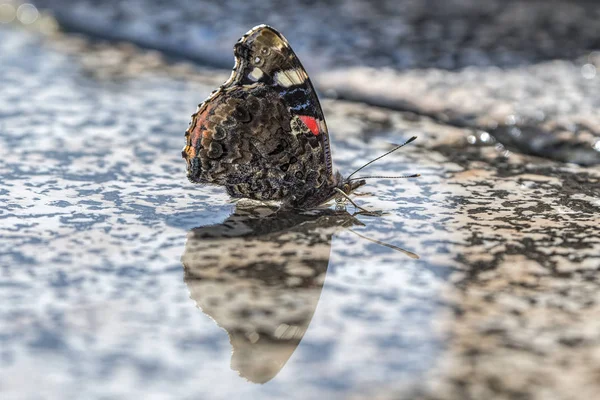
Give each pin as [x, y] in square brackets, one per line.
[383, 155]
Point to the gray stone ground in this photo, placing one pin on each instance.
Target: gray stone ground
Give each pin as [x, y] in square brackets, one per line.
[103, 271]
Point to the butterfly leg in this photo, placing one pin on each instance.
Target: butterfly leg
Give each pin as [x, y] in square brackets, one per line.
[363, 210]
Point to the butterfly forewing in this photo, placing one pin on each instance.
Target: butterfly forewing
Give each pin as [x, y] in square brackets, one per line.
[264, 56]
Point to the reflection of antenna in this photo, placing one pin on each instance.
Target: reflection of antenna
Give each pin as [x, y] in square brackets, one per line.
[391, 246]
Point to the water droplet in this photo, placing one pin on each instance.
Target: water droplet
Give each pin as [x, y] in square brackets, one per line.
[588, 71]
[27, 13]
[472, 139]
[511, 120]
[484, 137]
[597, 145]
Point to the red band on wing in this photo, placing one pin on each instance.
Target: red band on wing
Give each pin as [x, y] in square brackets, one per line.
[311, 123]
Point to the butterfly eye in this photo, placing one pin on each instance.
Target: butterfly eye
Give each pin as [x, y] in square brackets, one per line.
[265, 51]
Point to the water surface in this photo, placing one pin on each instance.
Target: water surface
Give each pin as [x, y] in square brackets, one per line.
[121, 279]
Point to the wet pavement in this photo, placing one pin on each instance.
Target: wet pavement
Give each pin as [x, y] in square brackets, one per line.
[121, 279]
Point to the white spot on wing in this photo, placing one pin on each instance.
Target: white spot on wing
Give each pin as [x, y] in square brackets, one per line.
[322, 125]
[256, 74]
[290, 77]
[282, 79]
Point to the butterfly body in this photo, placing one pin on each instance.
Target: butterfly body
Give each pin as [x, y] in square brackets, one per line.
[262, 135]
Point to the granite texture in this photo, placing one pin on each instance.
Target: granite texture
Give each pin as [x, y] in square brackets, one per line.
[112, 263]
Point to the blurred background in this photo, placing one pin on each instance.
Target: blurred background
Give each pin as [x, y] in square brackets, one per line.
[523, 69]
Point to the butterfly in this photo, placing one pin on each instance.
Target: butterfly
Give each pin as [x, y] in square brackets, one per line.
[262, 135]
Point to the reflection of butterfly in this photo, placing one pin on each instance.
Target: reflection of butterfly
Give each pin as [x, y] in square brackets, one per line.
[259, 275]
[262, 134]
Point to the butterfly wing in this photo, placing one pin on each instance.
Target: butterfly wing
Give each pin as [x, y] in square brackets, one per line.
[262, 135]
[264, 56]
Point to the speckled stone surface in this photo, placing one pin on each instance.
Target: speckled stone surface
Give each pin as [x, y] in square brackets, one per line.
[100, 261]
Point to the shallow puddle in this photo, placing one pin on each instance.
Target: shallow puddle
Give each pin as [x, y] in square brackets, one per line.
[122, 279]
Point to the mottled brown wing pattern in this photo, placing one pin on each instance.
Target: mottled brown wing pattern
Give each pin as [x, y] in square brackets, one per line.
[262, 135]
[249, 142]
